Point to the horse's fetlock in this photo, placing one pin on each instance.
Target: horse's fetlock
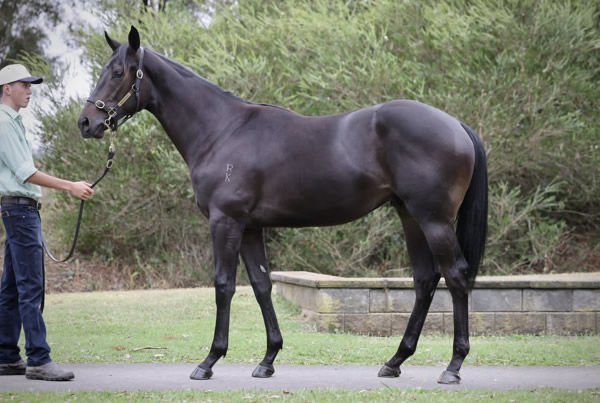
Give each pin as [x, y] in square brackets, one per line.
[218, 350]
[462, 348]
[407, 349]
[277, 343]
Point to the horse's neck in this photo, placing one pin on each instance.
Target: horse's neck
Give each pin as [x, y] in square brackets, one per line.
[191, 110]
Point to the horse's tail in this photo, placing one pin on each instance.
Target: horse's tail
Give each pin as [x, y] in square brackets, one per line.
[471, 229]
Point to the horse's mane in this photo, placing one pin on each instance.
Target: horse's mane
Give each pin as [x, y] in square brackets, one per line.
[187, 72]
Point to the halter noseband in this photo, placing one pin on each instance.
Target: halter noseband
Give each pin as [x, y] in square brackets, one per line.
[112, 110]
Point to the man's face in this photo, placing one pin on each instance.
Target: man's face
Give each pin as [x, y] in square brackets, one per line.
[19, 93]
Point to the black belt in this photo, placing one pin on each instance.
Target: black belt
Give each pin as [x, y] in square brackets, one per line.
[24, 201]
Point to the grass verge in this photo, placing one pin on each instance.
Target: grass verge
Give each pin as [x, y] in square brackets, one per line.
[314, 395]
[117, 326]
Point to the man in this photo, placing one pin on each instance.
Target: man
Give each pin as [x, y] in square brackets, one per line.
[21, 289]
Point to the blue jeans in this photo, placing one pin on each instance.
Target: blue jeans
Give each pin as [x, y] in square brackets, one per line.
[22, 287]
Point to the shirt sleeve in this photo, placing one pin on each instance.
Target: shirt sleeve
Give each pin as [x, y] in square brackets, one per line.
[14, 154]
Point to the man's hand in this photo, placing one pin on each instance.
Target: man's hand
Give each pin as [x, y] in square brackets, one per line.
[82, 190]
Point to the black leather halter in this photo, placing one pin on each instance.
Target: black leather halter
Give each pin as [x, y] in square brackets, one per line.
[112, 111]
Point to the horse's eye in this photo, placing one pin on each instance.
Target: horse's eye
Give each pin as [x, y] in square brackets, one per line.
[117, 74]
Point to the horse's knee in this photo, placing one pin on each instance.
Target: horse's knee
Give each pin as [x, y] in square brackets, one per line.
[261, 284]
[224, 291]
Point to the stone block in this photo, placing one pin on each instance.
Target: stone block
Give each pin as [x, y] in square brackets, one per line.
[402, 301]
[519, 322]
[391, 300]
[448, 323]
[374, 324]
[399, 322]
[586, 300]
[497, 300]
[442, 301]
[328, 322]
[547, 300]
[481, 323]
[305, 297]
[342, 300]
[571, 323]
[434, 323]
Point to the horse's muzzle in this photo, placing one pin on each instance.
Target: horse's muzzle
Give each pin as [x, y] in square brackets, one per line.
[88, 131]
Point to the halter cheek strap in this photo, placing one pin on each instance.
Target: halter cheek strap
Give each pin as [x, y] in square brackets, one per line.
[112, 111]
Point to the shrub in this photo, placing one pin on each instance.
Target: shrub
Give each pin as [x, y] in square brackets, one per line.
[524, 74]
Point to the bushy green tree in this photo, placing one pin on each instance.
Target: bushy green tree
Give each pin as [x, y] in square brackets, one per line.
[524, 74]
[21, 26]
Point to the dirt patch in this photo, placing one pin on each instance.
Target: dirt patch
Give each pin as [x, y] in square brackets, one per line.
[82, 275]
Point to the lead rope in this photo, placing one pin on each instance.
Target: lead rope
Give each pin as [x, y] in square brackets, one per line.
[112, 113]
[107, 167]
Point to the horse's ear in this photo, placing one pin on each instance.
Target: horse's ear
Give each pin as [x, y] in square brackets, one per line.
[111, 42]
[134, 39]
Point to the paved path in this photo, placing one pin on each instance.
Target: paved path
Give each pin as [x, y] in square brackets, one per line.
[121, 377]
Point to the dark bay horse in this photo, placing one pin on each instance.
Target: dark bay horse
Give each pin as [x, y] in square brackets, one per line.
[254, 166]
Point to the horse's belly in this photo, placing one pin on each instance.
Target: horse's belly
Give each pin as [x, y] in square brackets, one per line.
[320, 208]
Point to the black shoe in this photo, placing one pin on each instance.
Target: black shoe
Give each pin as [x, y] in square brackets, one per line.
[13, 368]
[48, 372]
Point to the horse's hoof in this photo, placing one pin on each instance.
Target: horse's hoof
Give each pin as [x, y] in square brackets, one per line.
[449, 378]
[263, 371]
[201, 373]
[388, 372]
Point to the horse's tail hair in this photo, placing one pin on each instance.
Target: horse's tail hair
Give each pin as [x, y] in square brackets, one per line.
[471, 229]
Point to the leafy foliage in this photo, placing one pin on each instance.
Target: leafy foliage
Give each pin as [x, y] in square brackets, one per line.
[524, 74]
[20, 26]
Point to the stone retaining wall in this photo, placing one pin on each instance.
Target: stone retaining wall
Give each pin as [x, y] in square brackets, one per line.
[552, 304]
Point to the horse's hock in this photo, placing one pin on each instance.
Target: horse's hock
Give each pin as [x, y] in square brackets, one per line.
[531, 304]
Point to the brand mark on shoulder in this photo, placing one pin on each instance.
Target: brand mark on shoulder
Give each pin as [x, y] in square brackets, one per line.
[228, 172]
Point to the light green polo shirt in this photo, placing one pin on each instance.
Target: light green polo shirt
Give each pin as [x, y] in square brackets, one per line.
[16, 159]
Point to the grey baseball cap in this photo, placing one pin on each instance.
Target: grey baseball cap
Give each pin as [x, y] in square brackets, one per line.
[17, 72]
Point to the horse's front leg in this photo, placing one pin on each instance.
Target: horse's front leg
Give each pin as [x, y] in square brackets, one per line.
[226, 236]
[255, 259]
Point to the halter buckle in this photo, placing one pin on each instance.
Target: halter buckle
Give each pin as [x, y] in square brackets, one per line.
[99, 104]
[139, 74]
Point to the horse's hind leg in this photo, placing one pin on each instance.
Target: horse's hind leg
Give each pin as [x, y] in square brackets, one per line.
[255, 259]
[226, 236]
[444, 245]
[426, 279]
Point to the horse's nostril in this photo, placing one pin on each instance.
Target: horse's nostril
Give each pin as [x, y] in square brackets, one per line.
[83, 123]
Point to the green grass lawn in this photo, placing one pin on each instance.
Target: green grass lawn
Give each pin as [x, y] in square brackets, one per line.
[314, 395]
[114, 326]
[110, 326]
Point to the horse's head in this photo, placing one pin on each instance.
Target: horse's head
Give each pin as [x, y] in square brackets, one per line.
[119, 91]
